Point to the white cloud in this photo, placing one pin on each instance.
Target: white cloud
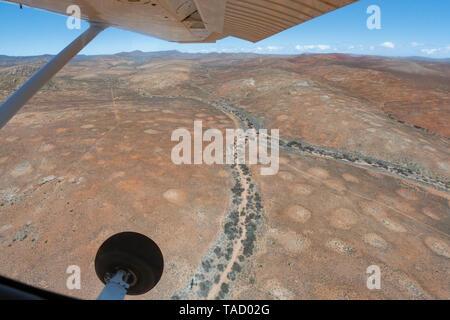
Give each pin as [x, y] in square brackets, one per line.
[228, 50]
[430, 51]
[303, 48]
[388, 44]
[323, 47]
[320, 47]
[356, 47]
[274, 48]
[416, 44]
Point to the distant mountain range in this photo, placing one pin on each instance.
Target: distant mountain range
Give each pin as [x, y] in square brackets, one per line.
[173, 54]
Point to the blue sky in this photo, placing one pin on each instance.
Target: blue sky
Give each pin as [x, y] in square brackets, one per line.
[408, 28]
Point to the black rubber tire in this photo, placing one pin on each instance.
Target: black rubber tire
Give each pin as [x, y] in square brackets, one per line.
[134, 252]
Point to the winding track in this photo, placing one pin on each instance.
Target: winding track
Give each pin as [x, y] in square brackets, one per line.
[223, 262]
[243, 222]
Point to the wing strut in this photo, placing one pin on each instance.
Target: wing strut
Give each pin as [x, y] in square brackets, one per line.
[19, 98]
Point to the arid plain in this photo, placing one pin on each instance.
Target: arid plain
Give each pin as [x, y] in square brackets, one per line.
[364, 174]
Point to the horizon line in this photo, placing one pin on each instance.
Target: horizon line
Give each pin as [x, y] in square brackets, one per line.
[236, 53]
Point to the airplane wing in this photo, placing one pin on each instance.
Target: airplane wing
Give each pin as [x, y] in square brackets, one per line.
[193, 21]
